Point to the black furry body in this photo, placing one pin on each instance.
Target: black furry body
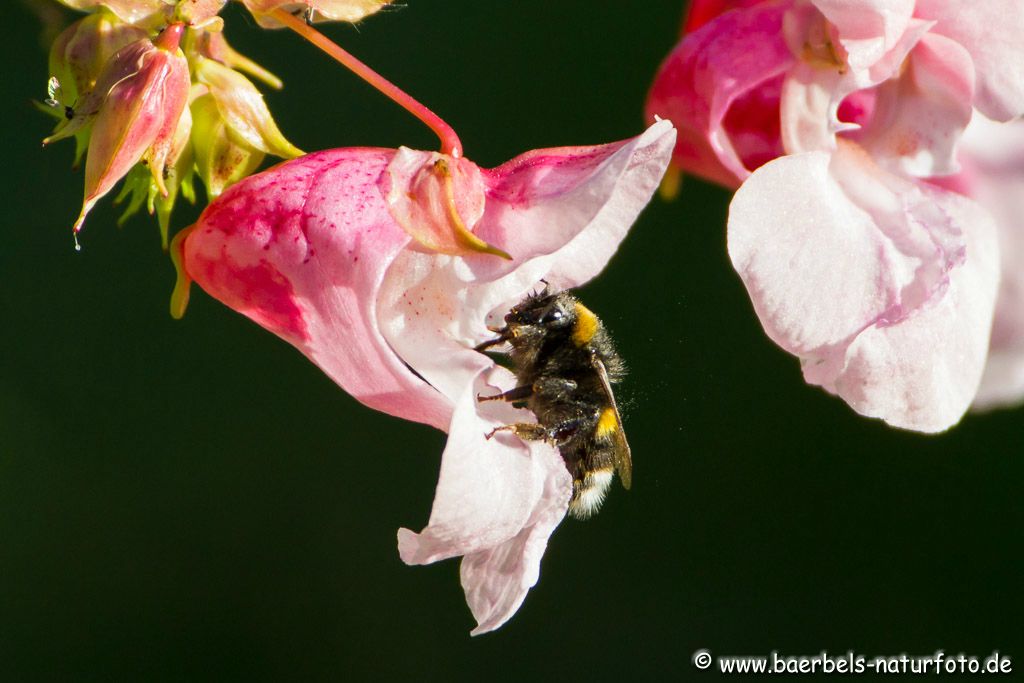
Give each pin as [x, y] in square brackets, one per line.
[565, 363]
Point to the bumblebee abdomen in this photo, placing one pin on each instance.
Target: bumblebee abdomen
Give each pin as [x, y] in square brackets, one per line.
[588, 492]
[591, 462]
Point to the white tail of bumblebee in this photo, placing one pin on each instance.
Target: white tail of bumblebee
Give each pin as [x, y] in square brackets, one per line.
[587, 499]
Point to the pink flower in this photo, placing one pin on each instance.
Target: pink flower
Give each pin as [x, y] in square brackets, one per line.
[993, 175]
[314, 251]
[738, 58]
[828, 113]
[722, 85]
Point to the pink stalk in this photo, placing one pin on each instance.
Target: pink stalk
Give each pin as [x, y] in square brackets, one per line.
[450, 143]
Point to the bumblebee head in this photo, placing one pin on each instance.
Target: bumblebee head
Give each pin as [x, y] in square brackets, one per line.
[550, 311]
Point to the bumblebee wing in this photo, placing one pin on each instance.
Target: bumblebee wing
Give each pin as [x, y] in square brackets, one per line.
[623, 457]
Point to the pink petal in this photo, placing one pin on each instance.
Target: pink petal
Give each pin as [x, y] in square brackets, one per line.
[1002, 384]
[489, 491]
[920, 115]
[496, 580]
[867, 29]
[709, 73]
[302, 249]
[882, 287]
[700, 12]
[812, 93]
[923, 373]
[572, 204]
[808, 122]
[497, 502]
[994, 156]
[991, 31]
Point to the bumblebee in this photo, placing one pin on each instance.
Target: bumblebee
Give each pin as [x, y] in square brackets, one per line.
[565, 364]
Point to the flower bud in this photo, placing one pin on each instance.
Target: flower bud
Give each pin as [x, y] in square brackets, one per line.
[82, 50]
[243, 109]
[179, 173]
[214, 45]
[221, 157]
[200, 13]
[329, 10]
[138, 117]
[131, 11]
[77, 58]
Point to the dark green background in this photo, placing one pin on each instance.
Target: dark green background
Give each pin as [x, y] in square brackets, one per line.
[194, 500]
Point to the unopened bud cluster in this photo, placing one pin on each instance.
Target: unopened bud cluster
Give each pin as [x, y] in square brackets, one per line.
[153, 94]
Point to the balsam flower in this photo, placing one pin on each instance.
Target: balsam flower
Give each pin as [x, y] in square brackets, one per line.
[829, 114]
[722, 85]
[992, 156]
[314, 251]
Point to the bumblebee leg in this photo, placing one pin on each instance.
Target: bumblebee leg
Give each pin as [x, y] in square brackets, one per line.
[517, 394]
[526, 431]
[500, 339]
[558, 434]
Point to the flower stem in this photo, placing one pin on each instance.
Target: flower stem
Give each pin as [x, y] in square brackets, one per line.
[450, 143]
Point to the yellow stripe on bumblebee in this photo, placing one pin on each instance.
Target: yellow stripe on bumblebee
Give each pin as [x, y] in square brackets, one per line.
[606, 424]
[586, 325]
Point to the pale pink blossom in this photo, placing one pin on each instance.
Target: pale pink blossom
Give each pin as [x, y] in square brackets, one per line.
[993, 174]
[829, 114]
[882, 287]
[312, 250]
